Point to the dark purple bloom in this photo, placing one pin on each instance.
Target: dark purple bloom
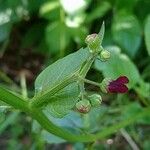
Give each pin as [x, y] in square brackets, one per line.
[118, 85]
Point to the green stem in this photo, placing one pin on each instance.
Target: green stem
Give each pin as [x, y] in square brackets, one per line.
[60, 132]
[129, 139]
[40, 117]
[19, 103]
[13, 100]
[23, 85]
[90, 82]
[82, 89]
[87, 65]
[84, 70]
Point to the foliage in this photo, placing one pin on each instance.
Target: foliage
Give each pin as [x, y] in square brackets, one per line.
[52, 29]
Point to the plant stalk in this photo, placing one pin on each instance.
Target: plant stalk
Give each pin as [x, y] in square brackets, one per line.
[13, 100]
[60, 132]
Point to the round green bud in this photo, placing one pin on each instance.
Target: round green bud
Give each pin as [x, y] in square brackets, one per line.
[93, 42]
[95, 100]
[104, 55]
[83, 106]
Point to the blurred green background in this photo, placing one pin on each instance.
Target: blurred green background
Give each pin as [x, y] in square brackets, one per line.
[35, 33]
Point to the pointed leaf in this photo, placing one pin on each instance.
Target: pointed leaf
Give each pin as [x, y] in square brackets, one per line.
[102, 32]
[60, 70]
[61, 102]
[57, 37]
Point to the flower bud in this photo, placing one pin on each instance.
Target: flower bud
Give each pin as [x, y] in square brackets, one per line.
[104, 85]
[115, 86]
[95, 100]
[93, 42]
[104, 55]
[83, 106]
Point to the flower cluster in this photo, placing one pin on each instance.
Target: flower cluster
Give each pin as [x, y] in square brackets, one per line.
[108, 85]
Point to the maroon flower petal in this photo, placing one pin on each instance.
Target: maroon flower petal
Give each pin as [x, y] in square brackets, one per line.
[123, 89]
[118, 88]
[118, 85]
[122, 80]
[113, 88]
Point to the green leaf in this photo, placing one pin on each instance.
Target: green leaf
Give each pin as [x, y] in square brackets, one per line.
[102, 32]
[143, 89]
[48, 7]
[128, 5]
[60, 70]
[99, 11]
[78, 146]
[57, 37]
[144, 4]
[146, 144]
[50, 138]
[132, 109]
[118, 64]
[93, 123]
[147, 33]
[64, 100]
[34, 5]
[50, 10]
[78, 34]
[72, 122]
[127, 33]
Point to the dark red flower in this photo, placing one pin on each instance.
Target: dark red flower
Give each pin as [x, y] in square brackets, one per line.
[118, 85]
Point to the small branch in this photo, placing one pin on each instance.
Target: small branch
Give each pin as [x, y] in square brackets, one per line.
[129, 139]
[13, 100]
[23, 84]
[84, 70]
[81, 88]
[90, 82]
[87, 65]
[19, 103]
